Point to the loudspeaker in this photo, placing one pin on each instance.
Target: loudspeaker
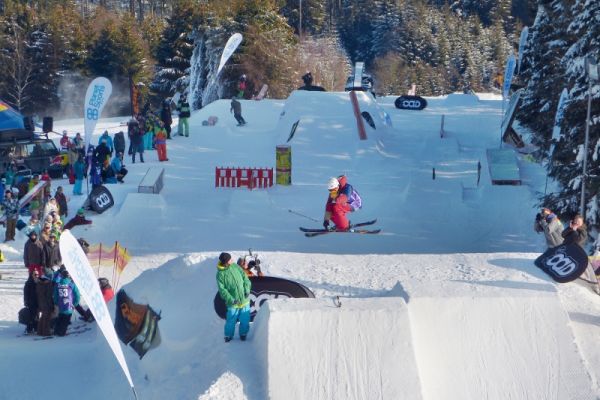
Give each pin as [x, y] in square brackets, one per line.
[28, 123]
[47, 124]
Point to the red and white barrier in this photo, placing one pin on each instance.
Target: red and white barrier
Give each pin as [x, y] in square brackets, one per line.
[249, 177]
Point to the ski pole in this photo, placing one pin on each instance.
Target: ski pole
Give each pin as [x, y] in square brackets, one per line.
[302, 215]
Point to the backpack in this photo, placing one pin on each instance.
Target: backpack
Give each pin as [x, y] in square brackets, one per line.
[65, 298]
[354, 198]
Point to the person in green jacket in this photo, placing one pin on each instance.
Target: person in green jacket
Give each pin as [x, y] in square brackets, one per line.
[183, 128]
[234, 289]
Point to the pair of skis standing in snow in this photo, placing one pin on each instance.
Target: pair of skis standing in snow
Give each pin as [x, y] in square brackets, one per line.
[342, 199]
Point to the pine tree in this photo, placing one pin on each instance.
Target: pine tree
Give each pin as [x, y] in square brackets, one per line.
[174, 50]
[585, 28]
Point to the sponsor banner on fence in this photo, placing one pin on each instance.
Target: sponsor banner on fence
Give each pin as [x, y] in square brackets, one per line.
[263, 289]
[410, 103]
[563, 263]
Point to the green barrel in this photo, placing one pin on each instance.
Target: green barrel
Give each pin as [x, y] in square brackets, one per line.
[283, 155]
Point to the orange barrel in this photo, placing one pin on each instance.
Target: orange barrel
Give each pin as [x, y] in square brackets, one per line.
[283, 155]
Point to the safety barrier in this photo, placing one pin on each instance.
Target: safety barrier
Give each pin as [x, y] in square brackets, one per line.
[250, 177]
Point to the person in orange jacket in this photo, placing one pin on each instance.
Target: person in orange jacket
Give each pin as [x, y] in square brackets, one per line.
[160, 141]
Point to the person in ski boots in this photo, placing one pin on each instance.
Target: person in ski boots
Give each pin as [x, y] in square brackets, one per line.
[336, 207]
[66, 297]
[234, 289]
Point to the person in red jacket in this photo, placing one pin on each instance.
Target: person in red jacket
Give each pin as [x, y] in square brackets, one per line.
[337, 206]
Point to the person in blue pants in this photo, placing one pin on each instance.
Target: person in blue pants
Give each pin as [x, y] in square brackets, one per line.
[234, 289]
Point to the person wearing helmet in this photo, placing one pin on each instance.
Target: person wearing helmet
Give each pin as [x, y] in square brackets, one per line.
[336, 207]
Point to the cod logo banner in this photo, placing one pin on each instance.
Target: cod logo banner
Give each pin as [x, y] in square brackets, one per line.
[410, 103]
[263, 289]
[101, 199]
[563, 263]
[136, 324]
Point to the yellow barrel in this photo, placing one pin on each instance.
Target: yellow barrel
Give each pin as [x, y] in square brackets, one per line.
[283, 155]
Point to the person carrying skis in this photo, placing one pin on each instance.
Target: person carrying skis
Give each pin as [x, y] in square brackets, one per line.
[236, 108]
[183, 107]
[337, 205]
[234, 289]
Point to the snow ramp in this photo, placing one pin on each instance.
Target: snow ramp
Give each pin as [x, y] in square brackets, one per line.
[510, 344]
[315, 350]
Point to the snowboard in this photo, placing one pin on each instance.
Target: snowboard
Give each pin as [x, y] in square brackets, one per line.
[263, 92]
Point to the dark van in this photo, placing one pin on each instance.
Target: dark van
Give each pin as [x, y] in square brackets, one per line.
[36, 154]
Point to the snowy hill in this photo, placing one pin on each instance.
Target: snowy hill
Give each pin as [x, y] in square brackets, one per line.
[445, 303]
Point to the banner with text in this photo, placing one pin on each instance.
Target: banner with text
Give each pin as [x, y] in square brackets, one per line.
[84, 277]
[96, 96]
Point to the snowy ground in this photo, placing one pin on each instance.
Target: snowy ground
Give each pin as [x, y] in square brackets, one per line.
[444, 304]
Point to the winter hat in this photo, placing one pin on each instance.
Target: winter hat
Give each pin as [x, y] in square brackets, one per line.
[333, 184]
[224, 258]
[81, 211]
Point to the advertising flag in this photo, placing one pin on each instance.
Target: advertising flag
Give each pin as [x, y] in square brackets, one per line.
[508, 75]
[232, 44]
[560, 112]
[96, 96]
[522, 41]
[82, 274]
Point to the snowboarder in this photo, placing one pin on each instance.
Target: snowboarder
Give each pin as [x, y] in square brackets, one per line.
[548, 223]
[236, 108]
[234, 289]
[337, 205]
[183, 107]
[78, 219]
[249, 266]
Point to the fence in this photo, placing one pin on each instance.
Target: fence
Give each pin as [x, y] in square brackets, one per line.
[249, 177]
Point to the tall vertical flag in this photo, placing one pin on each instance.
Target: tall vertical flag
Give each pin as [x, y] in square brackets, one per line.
[508, 75]
[96, 96]
[81, 271]
[560, 113]
[232, 44]
[522, 42]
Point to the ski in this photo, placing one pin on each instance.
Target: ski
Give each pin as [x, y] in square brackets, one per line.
[359, 231]
[351, 226]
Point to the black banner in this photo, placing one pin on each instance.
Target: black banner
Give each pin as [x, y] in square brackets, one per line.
[136, 324]
[410, 103]
[563, 263]
[101, 199]
[263, 289]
